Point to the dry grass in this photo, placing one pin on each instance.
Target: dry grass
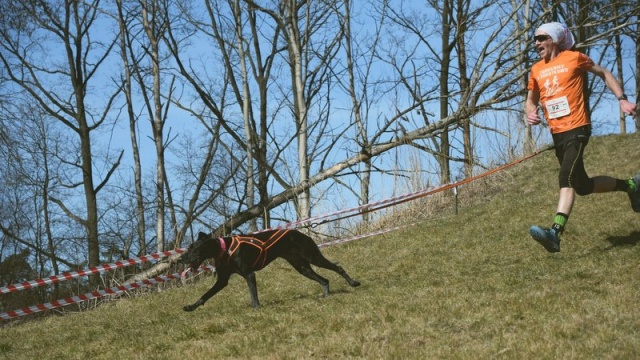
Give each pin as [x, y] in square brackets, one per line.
[466, 286]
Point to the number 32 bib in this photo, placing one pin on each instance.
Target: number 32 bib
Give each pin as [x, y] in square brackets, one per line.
[557, 107]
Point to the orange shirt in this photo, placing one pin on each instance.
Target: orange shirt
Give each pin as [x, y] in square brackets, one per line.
[560, 83]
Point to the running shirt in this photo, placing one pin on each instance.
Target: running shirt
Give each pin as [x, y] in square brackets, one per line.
[560, 83]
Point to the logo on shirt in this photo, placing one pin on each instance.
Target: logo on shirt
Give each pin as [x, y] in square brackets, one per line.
[551, 83]
[552, 87]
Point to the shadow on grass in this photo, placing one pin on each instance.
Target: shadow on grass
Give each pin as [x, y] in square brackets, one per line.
[629, 240]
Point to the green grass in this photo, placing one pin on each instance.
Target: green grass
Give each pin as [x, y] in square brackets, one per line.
[471, 286]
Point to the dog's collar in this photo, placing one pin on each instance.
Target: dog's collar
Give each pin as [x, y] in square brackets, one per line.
[223, 249]
[223, 245]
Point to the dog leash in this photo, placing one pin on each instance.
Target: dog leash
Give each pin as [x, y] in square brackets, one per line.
[437, 190]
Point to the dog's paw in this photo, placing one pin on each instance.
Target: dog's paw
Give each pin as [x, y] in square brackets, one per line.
[189, 307]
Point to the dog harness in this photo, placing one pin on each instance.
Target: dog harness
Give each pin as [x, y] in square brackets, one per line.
[262, 246]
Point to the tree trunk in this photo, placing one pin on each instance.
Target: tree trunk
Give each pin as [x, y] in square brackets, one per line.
[246, 114]
[126, 49]
[443, 156]
[465, 86]
[299, 104]
[150, 12]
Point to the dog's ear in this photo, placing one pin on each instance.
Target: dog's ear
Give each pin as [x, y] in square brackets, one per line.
[202, 236]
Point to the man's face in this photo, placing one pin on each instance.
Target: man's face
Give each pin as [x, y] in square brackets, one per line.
[544, 45]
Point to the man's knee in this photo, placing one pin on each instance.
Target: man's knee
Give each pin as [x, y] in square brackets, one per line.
[583, 188]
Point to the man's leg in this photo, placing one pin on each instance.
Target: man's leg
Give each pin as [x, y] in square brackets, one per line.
[566, 198]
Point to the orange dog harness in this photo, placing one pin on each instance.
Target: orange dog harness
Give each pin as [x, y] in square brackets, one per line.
[262, 246]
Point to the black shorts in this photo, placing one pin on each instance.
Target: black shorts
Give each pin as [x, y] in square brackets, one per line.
[569, 147]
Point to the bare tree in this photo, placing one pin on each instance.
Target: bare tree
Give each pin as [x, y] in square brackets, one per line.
[245, 99]
[61, 85]
[289, 21]
[445, 56]
[310, 66]
[254, 61]
[125, 22]
[358, 101]
[154, 22]
[360, 64]
[441, 55]
[522, 25]
[486, 72]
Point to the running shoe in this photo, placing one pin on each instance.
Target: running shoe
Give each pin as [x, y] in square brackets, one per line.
[549, 238]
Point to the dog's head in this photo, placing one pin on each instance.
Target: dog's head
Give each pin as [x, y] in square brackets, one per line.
[199, 251]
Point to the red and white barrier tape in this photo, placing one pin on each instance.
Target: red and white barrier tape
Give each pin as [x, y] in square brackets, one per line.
[310, 220]
[91, 270]
[156, 280]
[93, 295]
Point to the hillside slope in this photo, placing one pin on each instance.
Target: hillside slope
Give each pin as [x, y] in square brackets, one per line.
[466, 286]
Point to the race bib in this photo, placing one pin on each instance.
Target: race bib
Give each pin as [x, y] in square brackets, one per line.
[557, 107]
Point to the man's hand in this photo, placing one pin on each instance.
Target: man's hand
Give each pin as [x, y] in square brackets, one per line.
[533, 118]
[628, 108]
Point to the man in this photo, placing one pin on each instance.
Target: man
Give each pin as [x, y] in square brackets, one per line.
[556, 83]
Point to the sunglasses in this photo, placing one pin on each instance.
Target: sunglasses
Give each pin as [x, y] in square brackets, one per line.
[541, 38]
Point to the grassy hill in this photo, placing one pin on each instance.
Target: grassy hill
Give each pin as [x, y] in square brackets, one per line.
[466, 286]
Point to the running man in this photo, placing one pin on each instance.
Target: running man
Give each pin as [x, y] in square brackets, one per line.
[556, 83]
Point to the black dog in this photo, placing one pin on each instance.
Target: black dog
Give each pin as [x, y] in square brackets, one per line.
[244, 255]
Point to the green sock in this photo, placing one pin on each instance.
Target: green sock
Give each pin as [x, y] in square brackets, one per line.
[560, 221]
[625, 185]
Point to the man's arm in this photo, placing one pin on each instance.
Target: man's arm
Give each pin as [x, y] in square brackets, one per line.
[609, 80]
[615, 87]
[531, 107]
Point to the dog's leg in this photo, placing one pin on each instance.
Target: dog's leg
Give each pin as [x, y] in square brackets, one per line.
[302, 266]
[253, 289]
[309, 251]
[223, 280]
[321, 261]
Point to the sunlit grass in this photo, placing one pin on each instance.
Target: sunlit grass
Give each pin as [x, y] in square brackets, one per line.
[466, 286]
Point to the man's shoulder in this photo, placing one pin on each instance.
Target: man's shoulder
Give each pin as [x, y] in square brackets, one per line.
[571, 54]
[564, 58]
[578, 59]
